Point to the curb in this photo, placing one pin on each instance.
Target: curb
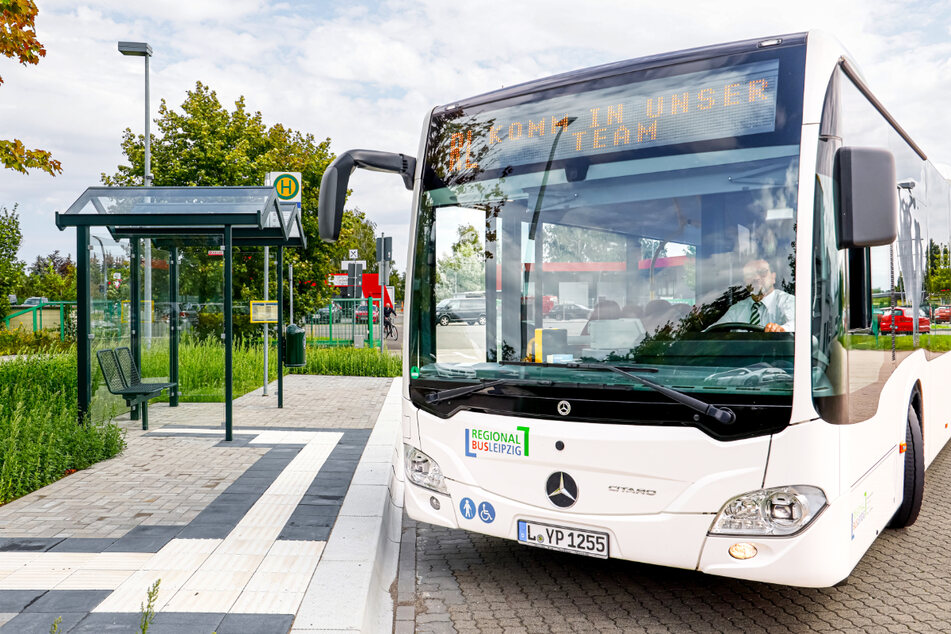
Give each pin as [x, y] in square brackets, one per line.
[350, 590]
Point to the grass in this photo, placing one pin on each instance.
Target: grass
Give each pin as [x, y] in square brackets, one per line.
[351, 362]
[40, 441]
[201, 369]
[936, 343]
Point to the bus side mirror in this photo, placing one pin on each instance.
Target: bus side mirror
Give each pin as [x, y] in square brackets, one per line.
[868, 197]
[333, 185]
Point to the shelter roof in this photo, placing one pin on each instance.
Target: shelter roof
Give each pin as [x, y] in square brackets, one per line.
[188, 215]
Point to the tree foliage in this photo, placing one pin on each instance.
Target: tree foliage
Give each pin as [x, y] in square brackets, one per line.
[11, 269]
[52, 276]
[463, 268]
[939, 271]
[18, 40]
[563, 243]
[206, 144]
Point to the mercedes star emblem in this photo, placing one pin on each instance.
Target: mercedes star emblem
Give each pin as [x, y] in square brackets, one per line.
[564, 408]
[562, 489]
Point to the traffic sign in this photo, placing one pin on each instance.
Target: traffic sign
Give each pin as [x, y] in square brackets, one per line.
[286, 185]
[354, 254]
[384, 249]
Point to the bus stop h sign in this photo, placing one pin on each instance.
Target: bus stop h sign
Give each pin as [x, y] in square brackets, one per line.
[286, 185]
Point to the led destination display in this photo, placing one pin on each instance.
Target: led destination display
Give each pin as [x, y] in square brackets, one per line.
[721, 103]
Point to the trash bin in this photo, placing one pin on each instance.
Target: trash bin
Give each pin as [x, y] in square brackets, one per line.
[295, 346]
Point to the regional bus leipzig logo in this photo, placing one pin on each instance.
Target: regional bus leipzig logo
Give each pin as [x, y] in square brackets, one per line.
[492, 441]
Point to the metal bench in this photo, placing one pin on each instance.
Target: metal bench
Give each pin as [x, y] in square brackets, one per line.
[122, 378]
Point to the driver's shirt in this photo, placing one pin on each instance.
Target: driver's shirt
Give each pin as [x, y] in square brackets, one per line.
[777, 308]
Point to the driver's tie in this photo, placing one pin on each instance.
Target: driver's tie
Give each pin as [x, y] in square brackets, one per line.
[754, 313]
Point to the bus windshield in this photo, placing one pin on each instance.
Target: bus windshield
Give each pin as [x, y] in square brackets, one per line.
[642, 219]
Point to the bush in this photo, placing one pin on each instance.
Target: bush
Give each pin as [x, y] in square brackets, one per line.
[40, 439]
[210, 326]
[21, 341]
[351, 362]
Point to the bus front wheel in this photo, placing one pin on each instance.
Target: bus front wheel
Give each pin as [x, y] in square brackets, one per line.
[914, 487]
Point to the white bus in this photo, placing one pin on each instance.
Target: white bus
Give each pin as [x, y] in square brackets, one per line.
[729, 226]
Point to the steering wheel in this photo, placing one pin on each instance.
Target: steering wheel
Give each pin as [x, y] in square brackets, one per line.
[735, 325]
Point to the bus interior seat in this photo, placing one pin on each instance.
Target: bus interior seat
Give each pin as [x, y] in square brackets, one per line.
[656, 314]
[614, 336]
[604, 309]
[632, 310]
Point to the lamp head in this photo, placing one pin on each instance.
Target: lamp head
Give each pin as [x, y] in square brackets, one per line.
[137, 49]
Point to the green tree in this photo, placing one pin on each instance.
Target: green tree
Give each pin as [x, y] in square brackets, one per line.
[11, 269]
[580, 244]
[939, 271]
[18, 39]
[398, 282]
[206, 144]
[463, 269]
[52, 276]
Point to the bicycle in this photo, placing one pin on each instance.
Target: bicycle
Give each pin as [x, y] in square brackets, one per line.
[389, 330]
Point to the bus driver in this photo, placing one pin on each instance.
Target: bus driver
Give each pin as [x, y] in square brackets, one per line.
[767, 306]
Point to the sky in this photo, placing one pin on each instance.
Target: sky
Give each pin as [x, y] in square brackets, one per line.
[365, 74]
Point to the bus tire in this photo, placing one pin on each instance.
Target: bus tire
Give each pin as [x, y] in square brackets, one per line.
[914, 486]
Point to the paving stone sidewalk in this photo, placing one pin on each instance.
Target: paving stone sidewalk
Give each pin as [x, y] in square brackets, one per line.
[180, 487]
[454, 581]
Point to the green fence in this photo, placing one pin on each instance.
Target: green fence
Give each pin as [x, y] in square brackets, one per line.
[347, 322]
[46, 315]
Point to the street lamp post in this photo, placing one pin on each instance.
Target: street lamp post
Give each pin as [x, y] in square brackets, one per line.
[142, 49]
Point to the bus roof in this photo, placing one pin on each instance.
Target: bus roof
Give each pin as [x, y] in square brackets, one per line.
[616, 68]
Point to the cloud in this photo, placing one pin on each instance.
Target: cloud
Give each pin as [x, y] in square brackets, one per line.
[366, 74]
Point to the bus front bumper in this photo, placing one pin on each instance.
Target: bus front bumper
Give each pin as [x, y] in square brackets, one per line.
[810, 558]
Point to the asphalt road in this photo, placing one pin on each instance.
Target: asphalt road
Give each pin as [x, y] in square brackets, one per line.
[396, 345]
[454, 581]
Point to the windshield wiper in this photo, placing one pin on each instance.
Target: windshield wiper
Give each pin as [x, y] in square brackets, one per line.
[453, 392]
[720, 414]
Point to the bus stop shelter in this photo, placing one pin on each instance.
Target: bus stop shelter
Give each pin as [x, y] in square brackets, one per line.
[176, 217]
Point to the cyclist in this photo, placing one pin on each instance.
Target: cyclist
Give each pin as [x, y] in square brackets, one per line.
[388, 312]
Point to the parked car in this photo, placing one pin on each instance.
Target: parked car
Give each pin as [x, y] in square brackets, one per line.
[35, 301]
[470, 310]
[569, 310]
[902, 317]
[360, 314]
[752, 376]
[324, 314]
[942, 313]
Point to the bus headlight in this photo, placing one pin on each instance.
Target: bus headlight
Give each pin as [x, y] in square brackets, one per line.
[423, 470]
[778, 511]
